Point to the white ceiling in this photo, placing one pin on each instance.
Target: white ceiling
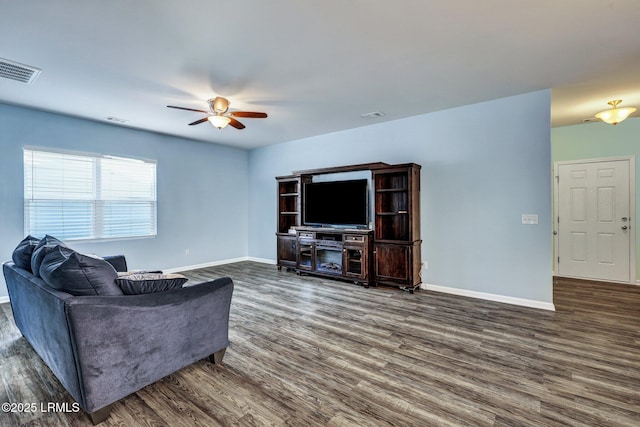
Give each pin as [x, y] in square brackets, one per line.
[315, 66]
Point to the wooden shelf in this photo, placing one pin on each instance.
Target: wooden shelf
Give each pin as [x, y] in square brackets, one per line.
[391, 190]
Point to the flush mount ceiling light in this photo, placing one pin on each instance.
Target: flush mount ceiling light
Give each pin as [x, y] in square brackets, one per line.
[615, 115]
[219, 121]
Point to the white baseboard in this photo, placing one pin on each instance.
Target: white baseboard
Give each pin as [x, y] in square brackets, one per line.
[262, 260]
[466, 293]
[491, 297]
[204, 265]
[215, 263]
[436, 288]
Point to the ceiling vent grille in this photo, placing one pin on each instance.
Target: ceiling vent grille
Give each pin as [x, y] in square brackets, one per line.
[18, 72]
[372, 115]
[116, 119]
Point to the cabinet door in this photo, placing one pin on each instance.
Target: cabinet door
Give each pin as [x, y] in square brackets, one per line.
[392, 262]
[306, 255]
[355, 261]
[392, 210]
[287, 251]
[397, 204]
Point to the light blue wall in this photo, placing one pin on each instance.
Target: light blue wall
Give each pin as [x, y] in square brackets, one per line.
[202, 188]
[483, 166]
[599, 141]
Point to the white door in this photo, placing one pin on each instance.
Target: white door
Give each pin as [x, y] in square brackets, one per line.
[594, 221]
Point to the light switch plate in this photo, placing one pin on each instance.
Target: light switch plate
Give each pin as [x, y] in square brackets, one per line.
[530, 219]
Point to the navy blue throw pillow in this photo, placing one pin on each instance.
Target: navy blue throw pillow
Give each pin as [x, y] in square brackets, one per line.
[78, 274]
[46, 245]
[22, 253]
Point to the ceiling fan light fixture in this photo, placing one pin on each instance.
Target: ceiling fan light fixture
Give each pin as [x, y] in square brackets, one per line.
[219, 115]
[219, 104]
[219, 121]
[615, 115]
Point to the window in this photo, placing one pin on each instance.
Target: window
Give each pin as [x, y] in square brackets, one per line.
[88, 196]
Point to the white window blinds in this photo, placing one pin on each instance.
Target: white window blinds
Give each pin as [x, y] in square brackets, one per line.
[88, 196]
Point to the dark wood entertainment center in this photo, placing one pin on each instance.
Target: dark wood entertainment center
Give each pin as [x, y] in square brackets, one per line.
[388, 254]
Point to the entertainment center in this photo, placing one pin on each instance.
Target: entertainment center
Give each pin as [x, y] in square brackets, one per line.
[325, 227]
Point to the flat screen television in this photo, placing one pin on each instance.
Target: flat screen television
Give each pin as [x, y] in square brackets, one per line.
[336, 204]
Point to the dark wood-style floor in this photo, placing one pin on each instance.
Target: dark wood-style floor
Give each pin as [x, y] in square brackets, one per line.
[312, 352]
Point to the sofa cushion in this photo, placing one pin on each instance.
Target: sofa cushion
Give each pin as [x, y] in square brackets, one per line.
[46, 245]
[146, 283]
[22, 253]
[78, 274]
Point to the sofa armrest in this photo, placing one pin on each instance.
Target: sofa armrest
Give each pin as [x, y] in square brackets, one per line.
[119, 262]
[39, 313]
[124, 343]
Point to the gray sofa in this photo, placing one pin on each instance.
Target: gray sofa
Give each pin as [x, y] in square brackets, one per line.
[103, 348]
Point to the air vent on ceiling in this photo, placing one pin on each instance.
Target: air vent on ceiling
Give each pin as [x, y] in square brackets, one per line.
[18, 72]
[116, 119]
[372, 115]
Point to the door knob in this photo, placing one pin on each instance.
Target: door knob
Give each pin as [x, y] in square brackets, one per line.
[624, 227]
[624, 219]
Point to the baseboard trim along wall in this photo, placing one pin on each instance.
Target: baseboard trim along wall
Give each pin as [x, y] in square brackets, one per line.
[205, 265]
[435, 288]
[262, 260]
[491, 297]
[466, 293]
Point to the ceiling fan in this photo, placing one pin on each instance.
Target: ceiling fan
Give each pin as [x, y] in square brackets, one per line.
[220, 116]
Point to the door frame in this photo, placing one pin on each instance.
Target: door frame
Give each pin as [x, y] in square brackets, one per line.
[632, 210]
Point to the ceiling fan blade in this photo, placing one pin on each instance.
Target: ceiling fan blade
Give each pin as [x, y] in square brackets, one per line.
[250, 114]
[197, 122]
[188, 109]
[236, 124]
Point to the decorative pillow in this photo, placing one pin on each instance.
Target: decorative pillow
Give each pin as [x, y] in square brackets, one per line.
[129, 273]
[46, 245]
[22, 253]
[78, 274]
[119, 262]
[146, 283]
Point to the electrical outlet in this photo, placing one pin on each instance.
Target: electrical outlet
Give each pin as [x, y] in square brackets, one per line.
[425, 265]
[187, 252]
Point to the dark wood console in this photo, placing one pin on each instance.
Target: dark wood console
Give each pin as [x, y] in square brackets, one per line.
[337, 253]
[387, 254]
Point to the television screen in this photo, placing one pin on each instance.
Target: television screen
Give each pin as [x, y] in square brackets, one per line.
[336, 203]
